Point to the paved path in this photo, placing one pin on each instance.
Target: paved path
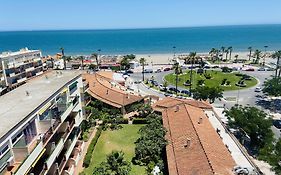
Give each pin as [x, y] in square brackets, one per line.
[79, 168]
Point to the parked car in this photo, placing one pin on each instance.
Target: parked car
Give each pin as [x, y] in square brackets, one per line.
[167, 69]
[137, 82]
[261, 69]
[173, 89]
[167, 94]
[258, 89]
[155, 83]
[186, 92]
[148, 71]
[215, 67]
[250, 69]
[129, 71]
[158, 70]
[162, 88]
[270, 69]
[207, 67]
[277, 123]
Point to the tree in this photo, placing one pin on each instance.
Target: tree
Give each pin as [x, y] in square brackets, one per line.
[95, 56]
[214, 54]
[178, 71]
[192, 56]
[253, 122]
[115, 165]
[273, 86]
[230, 49]
[151, 144]
[277, 55]
[222, 50]
[250, 52]
[257, 55]
[226, 54]
[63, 57]
[207, 93]
[82, 61]
[142, 62]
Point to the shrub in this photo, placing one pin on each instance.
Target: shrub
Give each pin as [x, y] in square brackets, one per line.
[88, 156]
[223, 81]
[226, 69]
[208, 76]
[139, 121]
[228, 82]
[122, 121]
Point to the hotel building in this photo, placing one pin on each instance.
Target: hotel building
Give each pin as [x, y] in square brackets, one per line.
[17, 67]
[40, 125]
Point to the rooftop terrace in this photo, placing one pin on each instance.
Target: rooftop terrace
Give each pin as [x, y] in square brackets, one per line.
[22, 101]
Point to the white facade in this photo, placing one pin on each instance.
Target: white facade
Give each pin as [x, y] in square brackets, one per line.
[45, 141]
[17, 67]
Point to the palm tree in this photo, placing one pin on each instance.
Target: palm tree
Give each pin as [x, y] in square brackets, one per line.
[192, 56]
[178, 71]
[223, 50]
[95, 56]
[236, 58]
[250, 52]
[214, 54]
[142, 61]
[226, 54]
[230, 49]
[278, 56]
[63, 57]
[82, 61]
[257, 55]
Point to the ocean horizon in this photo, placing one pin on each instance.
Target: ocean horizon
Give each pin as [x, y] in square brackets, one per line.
[145, 41]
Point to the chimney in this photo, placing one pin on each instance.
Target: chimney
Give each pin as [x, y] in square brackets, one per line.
[200, 120]
[188, 143]
[177, 108]
[107, 92]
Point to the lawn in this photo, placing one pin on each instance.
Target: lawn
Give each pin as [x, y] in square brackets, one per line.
[122, 139]
[216, 80]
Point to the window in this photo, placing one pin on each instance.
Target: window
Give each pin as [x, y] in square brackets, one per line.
[73, 87]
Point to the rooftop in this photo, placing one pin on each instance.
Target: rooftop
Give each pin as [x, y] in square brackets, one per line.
[107, 90]
[21, 51]
[17, 105]
[194, 145]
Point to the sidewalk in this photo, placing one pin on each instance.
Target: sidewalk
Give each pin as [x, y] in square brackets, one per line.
[79, 168]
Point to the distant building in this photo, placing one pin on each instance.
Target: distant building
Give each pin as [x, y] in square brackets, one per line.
[17, 67]
[194, 147]
[107, 86]
[40, 125]
[134, 64]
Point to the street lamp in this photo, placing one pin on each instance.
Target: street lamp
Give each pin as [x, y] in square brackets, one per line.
[99, 50]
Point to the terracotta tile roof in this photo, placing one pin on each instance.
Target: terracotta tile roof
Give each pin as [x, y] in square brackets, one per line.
[194, 146]
[104, 89]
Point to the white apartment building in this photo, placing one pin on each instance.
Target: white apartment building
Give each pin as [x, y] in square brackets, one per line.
[17, 67]
[40, 125]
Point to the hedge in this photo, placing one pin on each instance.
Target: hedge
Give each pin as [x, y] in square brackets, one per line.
[139, 121]
[88, 156]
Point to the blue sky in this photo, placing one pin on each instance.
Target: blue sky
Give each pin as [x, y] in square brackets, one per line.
[108, 14]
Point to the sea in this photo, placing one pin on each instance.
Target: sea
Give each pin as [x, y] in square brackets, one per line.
[145, 41]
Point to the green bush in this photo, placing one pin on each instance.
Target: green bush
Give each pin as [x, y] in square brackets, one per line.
[208, 76]
[88, 156]
[139, 121]
[123, 121]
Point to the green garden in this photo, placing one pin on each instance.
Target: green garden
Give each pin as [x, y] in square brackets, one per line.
[121, 140]
[213, 78]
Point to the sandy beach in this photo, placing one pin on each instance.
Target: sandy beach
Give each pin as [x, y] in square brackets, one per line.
[167, 58]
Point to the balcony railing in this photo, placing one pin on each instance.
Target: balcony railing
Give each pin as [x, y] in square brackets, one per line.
[26, 164]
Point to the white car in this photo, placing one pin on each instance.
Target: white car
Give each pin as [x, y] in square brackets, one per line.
[258, 89]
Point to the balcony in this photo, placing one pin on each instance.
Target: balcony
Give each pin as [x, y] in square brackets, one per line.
[55, 149]
[26, 164]
[21, 80]
[29, 69]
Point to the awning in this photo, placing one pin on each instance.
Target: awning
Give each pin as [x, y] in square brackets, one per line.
[42, 110]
